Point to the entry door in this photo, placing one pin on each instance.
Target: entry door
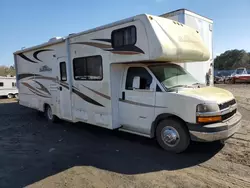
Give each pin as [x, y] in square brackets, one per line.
[64, 93]
[137, 106]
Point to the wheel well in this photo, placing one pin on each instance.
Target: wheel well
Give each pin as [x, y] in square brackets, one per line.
[45, 106]
[161, 117]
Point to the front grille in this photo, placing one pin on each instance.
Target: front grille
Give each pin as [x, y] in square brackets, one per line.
[227, 104]
[228, 115]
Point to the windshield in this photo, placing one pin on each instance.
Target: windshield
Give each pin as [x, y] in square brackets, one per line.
[172, 76]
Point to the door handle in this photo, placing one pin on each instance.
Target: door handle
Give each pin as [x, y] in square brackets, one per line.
[60, 88]
[123, 95]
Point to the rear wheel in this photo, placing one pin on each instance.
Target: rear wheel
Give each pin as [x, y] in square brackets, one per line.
[172, 135]
[49, 114]
[10, 96]
[16, 96]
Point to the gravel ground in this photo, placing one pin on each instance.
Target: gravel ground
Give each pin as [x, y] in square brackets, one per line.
[35, 153]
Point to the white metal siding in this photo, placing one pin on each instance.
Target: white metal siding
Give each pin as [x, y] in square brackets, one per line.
[199, 69]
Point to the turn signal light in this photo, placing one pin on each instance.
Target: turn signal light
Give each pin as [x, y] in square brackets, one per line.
[209, 119]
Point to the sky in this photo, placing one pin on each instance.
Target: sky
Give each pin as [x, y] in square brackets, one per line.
[28, 22]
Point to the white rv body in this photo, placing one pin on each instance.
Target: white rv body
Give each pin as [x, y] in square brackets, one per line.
[8, 87]
[205, 27]
[108, 76]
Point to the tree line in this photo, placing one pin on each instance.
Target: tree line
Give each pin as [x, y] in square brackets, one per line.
[232, 59]
[5, 70]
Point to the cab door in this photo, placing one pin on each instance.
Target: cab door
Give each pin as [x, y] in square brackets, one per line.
[137, 104]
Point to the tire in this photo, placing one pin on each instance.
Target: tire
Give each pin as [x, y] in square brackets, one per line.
[16, 96]
[49, 114]
[176, 128]
[10, 96]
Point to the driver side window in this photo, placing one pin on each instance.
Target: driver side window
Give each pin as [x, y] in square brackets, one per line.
[145, 78]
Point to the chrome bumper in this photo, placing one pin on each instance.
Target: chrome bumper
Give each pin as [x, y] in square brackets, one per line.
[216, 131]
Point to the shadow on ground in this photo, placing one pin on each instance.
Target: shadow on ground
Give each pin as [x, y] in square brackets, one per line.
[32, 149]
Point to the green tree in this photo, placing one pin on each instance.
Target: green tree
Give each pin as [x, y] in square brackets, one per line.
[232, 59]
[4, 71]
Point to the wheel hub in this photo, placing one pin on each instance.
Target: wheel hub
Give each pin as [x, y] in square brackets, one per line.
[170, 136]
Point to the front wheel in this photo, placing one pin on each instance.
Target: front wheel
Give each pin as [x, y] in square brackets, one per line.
[172, 135]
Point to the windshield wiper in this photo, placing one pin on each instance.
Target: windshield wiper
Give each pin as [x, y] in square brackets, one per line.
[178, 86]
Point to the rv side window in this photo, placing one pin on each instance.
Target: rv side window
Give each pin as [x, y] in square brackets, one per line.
[63, 71]
[13, 84]
[124, 37]
[145, 78]
[88, 68]
[1, 84]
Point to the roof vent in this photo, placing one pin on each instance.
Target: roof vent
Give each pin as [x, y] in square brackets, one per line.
[54, 39]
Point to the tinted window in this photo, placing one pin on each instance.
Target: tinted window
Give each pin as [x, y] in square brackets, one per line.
[1, 84]
[88, 68]
[124, 37]
[13, 84]
[63, 71]
[145, 78]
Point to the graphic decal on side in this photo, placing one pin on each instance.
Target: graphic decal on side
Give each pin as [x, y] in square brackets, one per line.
[26, 58]
[42, 88]
[35, 54]
[124, 50]
[35, 91]
[45, 92]
[80, 94]
[39, 51]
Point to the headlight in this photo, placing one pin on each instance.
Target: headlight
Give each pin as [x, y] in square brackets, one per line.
[207, 108]
[208, 113]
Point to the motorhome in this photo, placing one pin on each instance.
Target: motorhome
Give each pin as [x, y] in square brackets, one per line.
[8, 87]
[126, 76]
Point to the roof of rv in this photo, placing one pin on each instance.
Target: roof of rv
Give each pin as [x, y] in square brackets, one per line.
[62, 39]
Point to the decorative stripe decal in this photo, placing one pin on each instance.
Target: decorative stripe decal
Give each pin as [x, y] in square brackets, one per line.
[25, 75]
[131, 49]
[81, 95]
[39, 51]
[45, 78]
[38, 94]
[94, 44]
[98, 93]
[74, 89]
[104, 40]
[125, 50]
[34, 90]
[140, 104]
[86, 98]
[26, 58]
[126, 101]
[42, 87]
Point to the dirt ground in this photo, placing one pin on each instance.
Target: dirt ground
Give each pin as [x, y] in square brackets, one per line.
[35, 153]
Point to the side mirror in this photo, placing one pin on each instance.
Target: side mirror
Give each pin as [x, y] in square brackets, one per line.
[136, 82]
